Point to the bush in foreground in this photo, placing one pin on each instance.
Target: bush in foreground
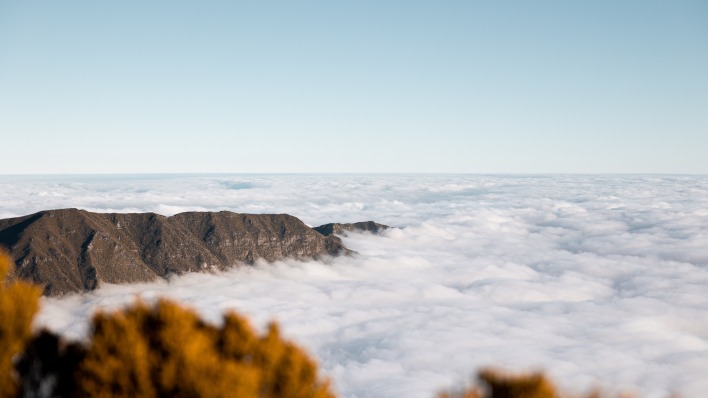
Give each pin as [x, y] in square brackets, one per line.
[166, 350]
[494, 383]
[19, 302]
[160, 350]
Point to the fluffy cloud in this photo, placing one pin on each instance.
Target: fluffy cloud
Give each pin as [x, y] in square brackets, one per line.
[598, 279]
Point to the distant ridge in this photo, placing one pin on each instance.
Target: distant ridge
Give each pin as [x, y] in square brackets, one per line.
[342, 229]
[71, 250]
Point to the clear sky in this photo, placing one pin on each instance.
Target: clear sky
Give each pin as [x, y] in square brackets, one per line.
[356, 86]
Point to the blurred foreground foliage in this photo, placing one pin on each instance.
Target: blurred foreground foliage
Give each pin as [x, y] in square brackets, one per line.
[160, 350]
[165, 350]
[19, 302]
[494, 383]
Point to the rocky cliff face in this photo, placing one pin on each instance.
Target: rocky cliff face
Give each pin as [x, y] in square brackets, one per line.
[342, 229]
[72, 250]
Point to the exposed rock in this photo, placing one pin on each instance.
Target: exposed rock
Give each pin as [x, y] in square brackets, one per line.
[73, 250]
[342, 229]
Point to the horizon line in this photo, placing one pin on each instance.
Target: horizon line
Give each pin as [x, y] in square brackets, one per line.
[354, 173]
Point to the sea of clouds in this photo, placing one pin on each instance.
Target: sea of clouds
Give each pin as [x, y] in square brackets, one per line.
[599, 280]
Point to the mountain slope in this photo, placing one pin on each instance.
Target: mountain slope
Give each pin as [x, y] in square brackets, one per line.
[71, 250]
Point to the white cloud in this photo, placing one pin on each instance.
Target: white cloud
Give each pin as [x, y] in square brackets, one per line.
[594, 278]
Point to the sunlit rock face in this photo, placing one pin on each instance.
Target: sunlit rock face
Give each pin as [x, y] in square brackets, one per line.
[71, 250]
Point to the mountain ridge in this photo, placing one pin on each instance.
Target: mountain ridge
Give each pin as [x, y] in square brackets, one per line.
[72, 250]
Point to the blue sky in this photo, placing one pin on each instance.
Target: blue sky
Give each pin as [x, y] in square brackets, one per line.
[371, 86]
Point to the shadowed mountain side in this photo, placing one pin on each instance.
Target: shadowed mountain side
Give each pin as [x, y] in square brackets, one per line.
[71, 250]
[342, 229]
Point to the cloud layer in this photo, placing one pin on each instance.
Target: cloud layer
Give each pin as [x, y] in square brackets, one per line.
[598, 279]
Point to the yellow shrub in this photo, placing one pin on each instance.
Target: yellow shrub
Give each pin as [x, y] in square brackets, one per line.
[19, 302]
[497, 384]
[503, 385]
[167, 350]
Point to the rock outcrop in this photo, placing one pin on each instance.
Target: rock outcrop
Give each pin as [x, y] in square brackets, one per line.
[71, 250]
[342, 229]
